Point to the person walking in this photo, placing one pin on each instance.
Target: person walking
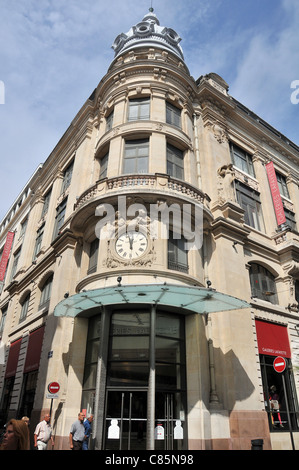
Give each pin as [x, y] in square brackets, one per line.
[77, 433]
[43, 434]
[87, 426]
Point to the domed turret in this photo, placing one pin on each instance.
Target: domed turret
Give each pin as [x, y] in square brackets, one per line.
[148, 33]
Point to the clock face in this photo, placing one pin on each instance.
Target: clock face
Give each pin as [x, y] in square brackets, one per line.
[131, 245]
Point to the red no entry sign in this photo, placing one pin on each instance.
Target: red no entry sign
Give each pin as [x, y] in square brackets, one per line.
[54, 387]
[279, 364]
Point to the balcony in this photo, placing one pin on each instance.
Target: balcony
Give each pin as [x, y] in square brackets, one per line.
[152, 188]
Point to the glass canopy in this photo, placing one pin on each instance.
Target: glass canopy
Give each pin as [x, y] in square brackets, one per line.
[187, 299]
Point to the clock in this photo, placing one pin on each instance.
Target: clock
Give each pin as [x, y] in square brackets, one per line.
[131, 245]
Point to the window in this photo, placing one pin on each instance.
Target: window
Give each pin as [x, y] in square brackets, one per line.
[175, 162]
[28, 393]
[38, 241]
[67, 177]
[24, 310]
[242, 160]
[177, 254]
[249, 200]
[139, 109]
[93, 256]
[2, 319]
[173, 115]
[262, 283]
[290, 219]
[59, 219]
[15, 264]
[23, 228]
[282, 184]
[136, 156]
[104, 166]
[46, 203]
[109, 121]
[46, 291]
[275, 397]
[279, 388]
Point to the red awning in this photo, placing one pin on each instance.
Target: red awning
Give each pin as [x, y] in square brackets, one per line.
[34, 350]
[272, 339]
[13, 357]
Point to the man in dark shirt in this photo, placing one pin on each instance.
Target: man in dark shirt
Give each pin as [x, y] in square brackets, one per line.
[87, 426]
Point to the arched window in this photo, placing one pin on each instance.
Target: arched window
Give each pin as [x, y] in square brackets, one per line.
[262, 283]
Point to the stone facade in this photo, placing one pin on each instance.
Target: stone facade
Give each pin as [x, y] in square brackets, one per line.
[175, 147]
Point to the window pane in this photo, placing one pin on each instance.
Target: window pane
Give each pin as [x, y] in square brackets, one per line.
[139, 109]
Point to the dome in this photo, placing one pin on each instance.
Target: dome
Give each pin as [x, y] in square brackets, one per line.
[148, 33]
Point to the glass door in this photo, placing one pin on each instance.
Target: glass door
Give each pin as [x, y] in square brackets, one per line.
[170, 428]
[125, 420]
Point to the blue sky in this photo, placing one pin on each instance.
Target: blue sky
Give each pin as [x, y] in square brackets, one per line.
[53, 53]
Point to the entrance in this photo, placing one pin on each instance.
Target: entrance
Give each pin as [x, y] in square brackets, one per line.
[170, 422]
[126, 420]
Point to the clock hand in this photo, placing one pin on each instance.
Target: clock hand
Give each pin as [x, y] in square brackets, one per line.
[131, 242]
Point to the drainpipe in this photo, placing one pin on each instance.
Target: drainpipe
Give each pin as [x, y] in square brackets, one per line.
[196, 147]
[150, 432]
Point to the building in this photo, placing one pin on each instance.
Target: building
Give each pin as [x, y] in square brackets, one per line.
[169, 344]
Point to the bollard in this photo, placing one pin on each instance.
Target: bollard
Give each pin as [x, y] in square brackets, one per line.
[257, 444]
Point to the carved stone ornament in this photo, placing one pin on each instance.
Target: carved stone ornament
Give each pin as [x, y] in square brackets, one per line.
[219, 134]
[225, 180]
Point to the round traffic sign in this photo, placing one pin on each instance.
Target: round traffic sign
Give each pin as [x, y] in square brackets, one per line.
[54, 387]
[279, 364]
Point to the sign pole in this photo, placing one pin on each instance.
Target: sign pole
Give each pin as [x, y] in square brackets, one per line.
[51, 406]
[279, 366]
[288, 411]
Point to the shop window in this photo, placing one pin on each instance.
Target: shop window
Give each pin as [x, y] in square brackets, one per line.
[28, 393]
[249, 200]
[136, 156]
[262, 283]
[177, 253]
[242, 160]
[279, 390]
[278, 397]
[173, 115]
[139, 109]
[6, 399]
[175, 162]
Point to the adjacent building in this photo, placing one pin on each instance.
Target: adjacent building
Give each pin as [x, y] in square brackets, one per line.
[150, 267]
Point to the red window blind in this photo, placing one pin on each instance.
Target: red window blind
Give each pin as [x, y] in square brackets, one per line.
[272, 339]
